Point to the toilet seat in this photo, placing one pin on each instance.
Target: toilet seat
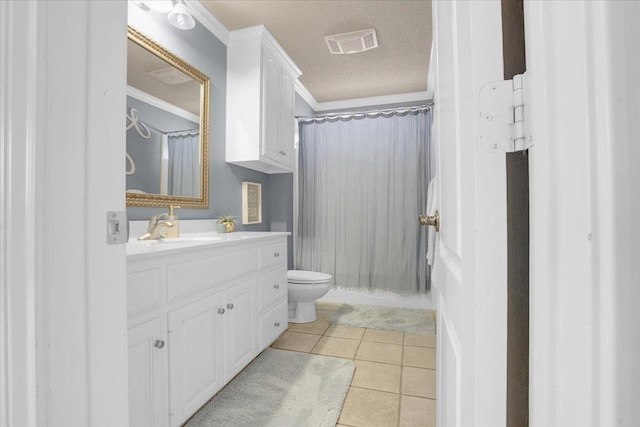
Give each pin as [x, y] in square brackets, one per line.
[302, 277]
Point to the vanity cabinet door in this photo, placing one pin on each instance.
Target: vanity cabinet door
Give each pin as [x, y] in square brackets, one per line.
[287, 119]
[239, 328]
[195, 356]
[278, 109]
[271, 77]
[148, 374]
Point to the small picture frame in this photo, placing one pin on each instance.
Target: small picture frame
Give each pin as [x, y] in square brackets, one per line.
[251, 203]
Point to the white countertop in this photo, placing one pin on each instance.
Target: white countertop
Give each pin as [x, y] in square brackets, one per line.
[149, 248]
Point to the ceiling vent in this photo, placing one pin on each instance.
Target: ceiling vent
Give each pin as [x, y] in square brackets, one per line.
[354, 42]
[170, 76]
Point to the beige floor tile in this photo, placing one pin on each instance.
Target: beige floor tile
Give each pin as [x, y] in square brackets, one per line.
[338, 347]
[339, 331]
[419, 382]
[417, 412]
[296, 341]
[326, 315]
[317, 328]
[380, 352]
[419, 357]
[369, 408]
[326, 305]
[377, 376]
[418, 340]
[378, 335]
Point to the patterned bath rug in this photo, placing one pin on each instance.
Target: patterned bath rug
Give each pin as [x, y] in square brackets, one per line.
[388, 318]
[281, 388]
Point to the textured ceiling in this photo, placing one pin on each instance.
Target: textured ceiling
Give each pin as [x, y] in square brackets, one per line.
[399, 65]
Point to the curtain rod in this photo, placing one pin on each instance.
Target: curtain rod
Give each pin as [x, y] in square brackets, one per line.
[346, 114]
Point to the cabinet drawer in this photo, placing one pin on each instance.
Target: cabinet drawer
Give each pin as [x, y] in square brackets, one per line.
[272, 255]
[144, 290]
[189, 277]
[272, 287]
[272, 324]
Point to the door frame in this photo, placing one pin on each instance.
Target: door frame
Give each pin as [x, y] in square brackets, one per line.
[63, 312]
[584, 202]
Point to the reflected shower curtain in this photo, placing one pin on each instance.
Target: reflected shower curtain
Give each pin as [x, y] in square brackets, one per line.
[362, 184]
[184, 163]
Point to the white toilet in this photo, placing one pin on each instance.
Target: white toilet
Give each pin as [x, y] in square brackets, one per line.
[304, 288]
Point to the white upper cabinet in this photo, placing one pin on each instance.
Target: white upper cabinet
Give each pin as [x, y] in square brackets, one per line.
[261, 82]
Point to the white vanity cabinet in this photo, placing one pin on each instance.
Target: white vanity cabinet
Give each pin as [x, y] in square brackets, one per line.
[261, 82]
[197, 317]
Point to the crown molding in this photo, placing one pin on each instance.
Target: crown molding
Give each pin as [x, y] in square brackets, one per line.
[375, 100]
[306, 95]
[208, 20]
[361, 102]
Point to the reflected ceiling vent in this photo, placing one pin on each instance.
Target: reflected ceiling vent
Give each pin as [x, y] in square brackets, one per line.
[170, 76]
[354, 42]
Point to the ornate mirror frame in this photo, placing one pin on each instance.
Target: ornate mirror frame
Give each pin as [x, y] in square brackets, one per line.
[158, 200]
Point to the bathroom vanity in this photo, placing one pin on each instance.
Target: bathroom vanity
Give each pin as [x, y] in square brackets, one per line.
[200, 308]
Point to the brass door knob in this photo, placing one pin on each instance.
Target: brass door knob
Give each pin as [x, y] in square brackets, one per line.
[433, 220]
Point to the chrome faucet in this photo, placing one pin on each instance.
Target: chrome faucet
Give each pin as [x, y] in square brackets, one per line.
[156, 224]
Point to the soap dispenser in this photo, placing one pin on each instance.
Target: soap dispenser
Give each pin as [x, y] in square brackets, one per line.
[175, 230]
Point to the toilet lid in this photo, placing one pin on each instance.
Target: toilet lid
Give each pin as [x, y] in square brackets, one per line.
[301, 276]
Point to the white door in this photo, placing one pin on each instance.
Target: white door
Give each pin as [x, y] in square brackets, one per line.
[470, 272]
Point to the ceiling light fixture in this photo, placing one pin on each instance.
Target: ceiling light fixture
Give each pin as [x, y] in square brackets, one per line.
[162, 6]
[180, 17]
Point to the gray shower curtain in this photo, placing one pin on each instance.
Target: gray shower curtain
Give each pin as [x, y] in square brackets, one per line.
[184, 163]
[362, 184]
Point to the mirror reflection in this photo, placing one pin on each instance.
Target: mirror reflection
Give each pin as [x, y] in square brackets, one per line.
[167, 140]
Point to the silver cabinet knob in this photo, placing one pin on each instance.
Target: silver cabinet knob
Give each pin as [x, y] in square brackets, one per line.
[276, 286]
[230, 306]
[276, 254]
[277, 324]
[221, 310]
[158, 344]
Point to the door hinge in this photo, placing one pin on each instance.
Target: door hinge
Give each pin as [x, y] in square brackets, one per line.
[504, 115]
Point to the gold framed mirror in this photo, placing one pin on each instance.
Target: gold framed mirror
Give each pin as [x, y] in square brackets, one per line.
[167, 120]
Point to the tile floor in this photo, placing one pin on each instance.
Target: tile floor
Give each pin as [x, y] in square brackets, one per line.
[395, 379]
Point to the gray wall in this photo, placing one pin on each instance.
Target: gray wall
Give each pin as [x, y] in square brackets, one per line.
[209, 55]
